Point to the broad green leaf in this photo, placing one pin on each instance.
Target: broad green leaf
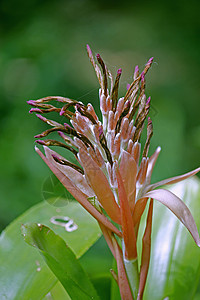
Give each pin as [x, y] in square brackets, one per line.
[57, 292]
[175, 259]
[98, 262]
[24, 274]
[61, 260]
[197, 295]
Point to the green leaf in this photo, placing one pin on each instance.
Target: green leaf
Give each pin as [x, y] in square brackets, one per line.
[23, 273]
[175, 259]
[57, 292]
[98, 262]
[61, 260]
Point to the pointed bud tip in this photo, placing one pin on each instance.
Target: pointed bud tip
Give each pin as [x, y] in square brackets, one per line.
[89, 51]
[158, 149]
[136, 69]
[67, 126]
[31, 110]
[61, 134]
[31, 102]
[119, 71]
[98, 56]
[35, 110]
[148, 100]
[62, 111]
[151, 60]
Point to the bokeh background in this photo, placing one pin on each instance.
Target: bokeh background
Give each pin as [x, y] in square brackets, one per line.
[42, 52]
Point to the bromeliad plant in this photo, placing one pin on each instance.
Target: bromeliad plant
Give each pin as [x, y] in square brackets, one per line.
[112, 176]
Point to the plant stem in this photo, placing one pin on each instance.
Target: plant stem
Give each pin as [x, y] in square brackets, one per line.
[131, 267]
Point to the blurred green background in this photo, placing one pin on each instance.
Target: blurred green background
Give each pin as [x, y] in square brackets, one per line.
[42, 52]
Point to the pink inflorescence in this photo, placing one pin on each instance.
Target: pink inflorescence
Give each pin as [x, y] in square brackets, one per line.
[112, 174]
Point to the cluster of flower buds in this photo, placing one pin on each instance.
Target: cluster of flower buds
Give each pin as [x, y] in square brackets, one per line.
[112, 177]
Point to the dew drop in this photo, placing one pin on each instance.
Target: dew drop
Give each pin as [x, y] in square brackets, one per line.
[65, 222]
[38, 266]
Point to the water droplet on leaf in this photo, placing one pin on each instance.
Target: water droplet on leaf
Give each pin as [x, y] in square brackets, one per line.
[65, 222]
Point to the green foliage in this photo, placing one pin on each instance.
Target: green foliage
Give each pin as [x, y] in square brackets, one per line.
[61, 260]
[175, 258]
[174, 267]
[43, 53]
[23, 273]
